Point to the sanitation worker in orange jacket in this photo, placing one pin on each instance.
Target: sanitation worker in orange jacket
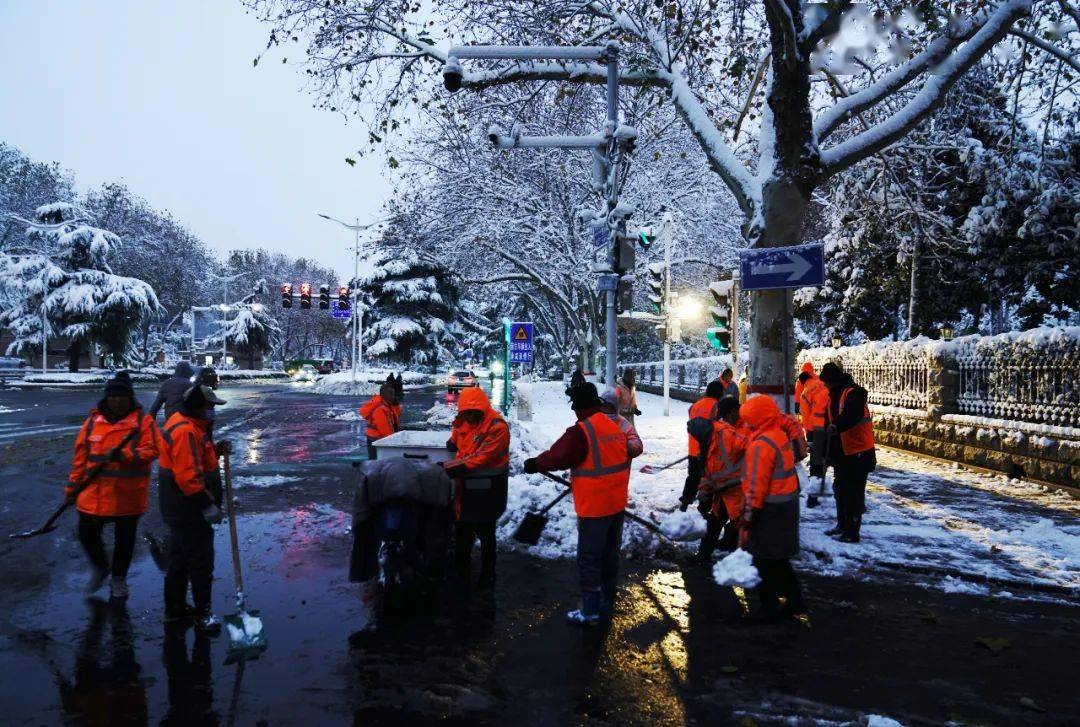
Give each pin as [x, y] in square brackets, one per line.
[598, 450]
[720, 499]
[481, 440]
[812, 397]
[770, 529]
[118, 495]
[383, 416]
[190, 497]
[850, 433]
[702, 410]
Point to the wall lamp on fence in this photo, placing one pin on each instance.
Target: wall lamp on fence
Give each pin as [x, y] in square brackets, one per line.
[836, 342]
[946, 333]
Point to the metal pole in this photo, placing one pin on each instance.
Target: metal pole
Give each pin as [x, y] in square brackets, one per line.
[611, 324]
[506, 368]
[787, 363]
[666, 231]
[735, 322]
[224, 320]
[192, 334]
[356, 347]
[44, 339]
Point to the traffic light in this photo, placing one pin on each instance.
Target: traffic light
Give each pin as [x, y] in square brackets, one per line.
[343, 297]
[624, 294]
[719, 334]
[625, 255]
[324, 297]
[657, 272]
[646, 237]
[286, 295]
[305, 295]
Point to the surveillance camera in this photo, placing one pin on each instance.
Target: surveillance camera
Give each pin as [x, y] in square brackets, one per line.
[493, 134]
[451, 73]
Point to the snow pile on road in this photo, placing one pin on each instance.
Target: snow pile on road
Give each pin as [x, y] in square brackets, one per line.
[683, 526]
[82, 378]
[736, 569]
[367, 382]
[344, 415]
[246, 481]
[441, 415]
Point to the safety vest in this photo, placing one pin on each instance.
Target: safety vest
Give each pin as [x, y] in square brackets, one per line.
[860, 438]
[122, 488]
[601, 483]
[769, 474]
[380, 417]
[723, 464]
[813, 403]
[705, 408]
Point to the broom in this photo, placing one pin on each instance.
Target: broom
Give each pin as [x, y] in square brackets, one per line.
[246, 637]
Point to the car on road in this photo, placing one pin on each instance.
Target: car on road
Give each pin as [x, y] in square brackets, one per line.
[307, 372]
[457, 380]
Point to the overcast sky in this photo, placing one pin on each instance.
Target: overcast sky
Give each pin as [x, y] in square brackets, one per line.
[163, 96]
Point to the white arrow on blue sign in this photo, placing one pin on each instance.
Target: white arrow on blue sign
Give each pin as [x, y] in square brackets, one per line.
[799, 266]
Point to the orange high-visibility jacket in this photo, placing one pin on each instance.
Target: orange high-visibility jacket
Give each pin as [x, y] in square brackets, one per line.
[769, 467]
[123, 486]
[807, 368]
[860, 438]
[601, 483]
[723, 469]
[705, 408]
[187, 459]
[813, 403]
[382, 418]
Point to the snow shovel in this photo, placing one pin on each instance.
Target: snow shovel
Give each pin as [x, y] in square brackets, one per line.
[246, 637]
[629, 515]
[528, 532]
[92, 475]
[653, 469]
[813, 499]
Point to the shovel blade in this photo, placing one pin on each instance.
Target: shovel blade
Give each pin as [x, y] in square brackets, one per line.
[32, 533]
[648, 470]
[528, 532]
[247, 640]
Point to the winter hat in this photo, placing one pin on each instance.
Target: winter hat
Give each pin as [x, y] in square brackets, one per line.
[726, 406]
[183, 369]
[584, 396]
[610, 396]
[807, 368]
[831, 373]
[120, 385]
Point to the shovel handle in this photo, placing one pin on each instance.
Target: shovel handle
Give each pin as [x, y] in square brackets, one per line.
[631, 516]
[230, 509]
[554, 502]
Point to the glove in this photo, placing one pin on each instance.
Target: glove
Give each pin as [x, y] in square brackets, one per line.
[530, 466]
[637, 412]
[223, 447]
[69, 496]
[212, 515]
[455, 468]
[450, 446]
[684, 502]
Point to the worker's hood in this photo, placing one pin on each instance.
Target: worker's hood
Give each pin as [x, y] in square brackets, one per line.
[369, 408]
[473, 398]
[759, 412]
[807, 368]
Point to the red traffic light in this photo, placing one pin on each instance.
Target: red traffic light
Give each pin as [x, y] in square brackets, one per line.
[286, 288]
[305, 288]
[343, 290]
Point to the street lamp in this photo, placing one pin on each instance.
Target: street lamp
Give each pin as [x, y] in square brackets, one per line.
[357, 328]
[836, 342]
[946, 332]
[689, 308]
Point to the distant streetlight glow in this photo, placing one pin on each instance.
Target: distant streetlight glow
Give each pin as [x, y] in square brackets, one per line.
[688, 308]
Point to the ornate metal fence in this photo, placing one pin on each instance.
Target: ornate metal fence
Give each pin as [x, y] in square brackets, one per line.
[1039, 386]
[901, 382]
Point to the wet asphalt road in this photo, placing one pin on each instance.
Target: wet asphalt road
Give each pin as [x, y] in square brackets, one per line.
[673, 654]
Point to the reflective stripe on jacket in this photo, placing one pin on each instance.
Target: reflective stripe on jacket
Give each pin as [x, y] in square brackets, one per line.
[705, 408]
[859, 438]
[769, 470]
[601, 483]
[123, 486]
[188, 469]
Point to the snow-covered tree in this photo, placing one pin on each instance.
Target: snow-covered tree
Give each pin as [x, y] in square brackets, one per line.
[62, 280]
[725, 66]
[251, 330]
[408, 304]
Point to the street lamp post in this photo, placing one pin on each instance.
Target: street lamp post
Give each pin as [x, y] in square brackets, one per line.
[357, 314]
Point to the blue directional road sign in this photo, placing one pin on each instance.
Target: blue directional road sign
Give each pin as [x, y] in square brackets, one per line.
[521, 342]
[336, 311]
[799, 266]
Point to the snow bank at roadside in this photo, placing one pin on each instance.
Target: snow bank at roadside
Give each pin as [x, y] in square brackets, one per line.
[367, 382]
[923, 516]
[99, 376]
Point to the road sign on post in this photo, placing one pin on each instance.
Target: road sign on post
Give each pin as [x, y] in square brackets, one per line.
[341, 311]
[521, 342]
[782, 267]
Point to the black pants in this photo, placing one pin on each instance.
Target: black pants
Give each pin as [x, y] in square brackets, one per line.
[778, 581]
[849, 486]
[465, 534]
[599, 542]
[191, 561]
[90, 531]
[714, 526]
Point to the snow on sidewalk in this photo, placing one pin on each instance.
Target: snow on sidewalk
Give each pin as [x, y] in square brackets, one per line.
[953, 526]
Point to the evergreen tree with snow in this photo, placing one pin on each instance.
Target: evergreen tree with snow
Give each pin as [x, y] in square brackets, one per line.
[251, 330]
[63, 278]
[408, 304]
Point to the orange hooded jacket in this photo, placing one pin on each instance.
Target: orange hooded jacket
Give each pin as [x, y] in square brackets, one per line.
[484, 450]
[769, 468]
[123, 486]
[383, 419]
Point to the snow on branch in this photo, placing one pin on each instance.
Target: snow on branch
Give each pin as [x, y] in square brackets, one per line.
[931, 96]
[1048, 47]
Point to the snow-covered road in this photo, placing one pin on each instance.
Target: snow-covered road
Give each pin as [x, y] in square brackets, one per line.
[954, 529]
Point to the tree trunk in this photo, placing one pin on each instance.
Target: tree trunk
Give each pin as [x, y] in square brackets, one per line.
[914, 323]
[74, 354]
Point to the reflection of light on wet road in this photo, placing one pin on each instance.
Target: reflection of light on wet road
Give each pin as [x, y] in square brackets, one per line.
[668, 591]
[740, 594]
[254, 442]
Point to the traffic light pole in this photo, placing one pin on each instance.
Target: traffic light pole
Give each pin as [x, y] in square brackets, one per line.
[735, 323]
[358, 325]
[611, 324]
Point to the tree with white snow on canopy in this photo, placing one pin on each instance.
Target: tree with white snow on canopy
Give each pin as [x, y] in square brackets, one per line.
[408, 305]
[63, 276]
